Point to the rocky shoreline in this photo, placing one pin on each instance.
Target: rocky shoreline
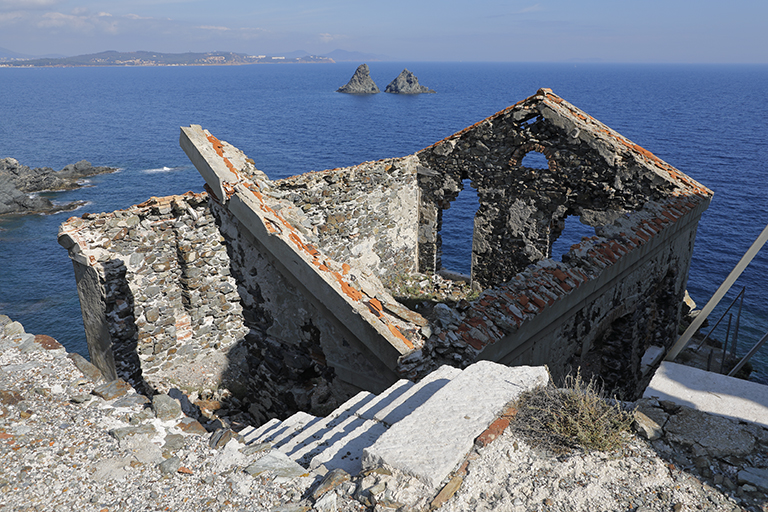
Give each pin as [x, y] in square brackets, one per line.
[70, 441]
[19, 185]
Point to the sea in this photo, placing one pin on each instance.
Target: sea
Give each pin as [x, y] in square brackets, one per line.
[709, 121]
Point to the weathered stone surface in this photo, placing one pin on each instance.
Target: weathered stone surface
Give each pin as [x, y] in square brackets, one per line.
[360, 83]
[8, 397]
[330, 481]
[141, 430]
[131, 400]
[757, 477]
[406, 83]
[191, 426]
[222, 436]
[278, 464]
[111, 390]
[717, 435]
[710, 392]
[165, 407]
[169, 466]
[650, 420]
[47, 342]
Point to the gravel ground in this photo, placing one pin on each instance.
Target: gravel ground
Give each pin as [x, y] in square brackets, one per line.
[509, 475]
[64, 448]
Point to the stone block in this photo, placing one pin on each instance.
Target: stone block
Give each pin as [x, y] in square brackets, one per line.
[111, 390]
[757, 477]
[278, 464]
[434, 439]
[165, 407]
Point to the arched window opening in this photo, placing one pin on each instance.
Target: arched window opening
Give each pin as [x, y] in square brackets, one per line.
[457, 231]
[534, 160]
[572, 232]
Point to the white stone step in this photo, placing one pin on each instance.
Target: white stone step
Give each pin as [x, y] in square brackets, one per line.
[320, 430]
[432, 441]
[339, 439]
[415, 396]
[278, 432]
[343, 446]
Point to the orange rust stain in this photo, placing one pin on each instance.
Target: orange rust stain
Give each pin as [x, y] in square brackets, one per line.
[295, 239]
[346, 288]
[376, 304]
[218, 147]
[394, 330]
[345, 268]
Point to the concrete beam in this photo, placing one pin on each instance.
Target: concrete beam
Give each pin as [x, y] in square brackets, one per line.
[285, 245]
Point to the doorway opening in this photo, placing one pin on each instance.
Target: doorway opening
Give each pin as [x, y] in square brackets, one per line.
[456, 233]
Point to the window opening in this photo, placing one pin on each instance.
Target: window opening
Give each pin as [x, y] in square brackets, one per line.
[534, 160]
[573, 231]
[457, 231]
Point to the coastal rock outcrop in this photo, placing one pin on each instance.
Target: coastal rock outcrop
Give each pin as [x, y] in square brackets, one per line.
[361, 82]
[19, 184]
[407, 83]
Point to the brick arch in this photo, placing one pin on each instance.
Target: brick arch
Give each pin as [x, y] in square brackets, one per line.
[518, 155]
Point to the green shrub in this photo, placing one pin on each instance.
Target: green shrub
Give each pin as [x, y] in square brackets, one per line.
[574, 416]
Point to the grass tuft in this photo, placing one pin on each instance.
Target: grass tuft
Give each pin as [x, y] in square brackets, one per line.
[574, 416]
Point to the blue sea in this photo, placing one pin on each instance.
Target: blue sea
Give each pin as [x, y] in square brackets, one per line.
[711, 122]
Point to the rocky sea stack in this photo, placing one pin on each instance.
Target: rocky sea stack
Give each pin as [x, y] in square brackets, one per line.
[407, 83]
[361, 82]
[19, 184]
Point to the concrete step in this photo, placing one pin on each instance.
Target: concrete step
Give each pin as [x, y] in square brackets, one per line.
[710, 392]
[340, 440]
[277, 432]
[434, 438]
[424, 429]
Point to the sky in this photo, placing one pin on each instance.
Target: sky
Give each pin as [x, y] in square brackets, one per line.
[652, 31]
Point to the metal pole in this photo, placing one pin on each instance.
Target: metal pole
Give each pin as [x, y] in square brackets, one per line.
[725, 344]
[750, 354]
[735, 273]
[738, 323]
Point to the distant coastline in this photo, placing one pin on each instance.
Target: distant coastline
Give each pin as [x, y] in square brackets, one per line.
[157, 59]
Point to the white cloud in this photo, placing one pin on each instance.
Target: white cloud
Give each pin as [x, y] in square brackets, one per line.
[327, 38]
[212, 27]
[10, 17]
[532, 8]
[24, 5]
[100, 22]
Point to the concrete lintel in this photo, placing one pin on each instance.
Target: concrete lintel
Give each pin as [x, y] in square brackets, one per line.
[243, 206]
[254, 216]
[199, 149]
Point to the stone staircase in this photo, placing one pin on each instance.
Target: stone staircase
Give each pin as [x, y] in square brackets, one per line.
[423, 429]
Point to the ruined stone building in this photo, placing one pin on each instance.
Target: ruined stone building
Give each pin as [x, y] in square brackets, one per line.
[295, 293]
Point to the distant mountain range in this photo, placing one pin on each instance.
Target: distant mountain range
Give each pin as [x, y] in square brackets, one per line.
[6, 54]
[9, 58]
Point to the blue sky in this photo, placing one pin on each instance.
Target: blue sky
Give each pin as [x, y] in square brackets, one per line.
[409, 30]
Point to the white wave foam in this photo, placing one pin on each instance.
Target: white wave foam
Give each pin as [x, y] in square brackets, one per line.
[161, 169]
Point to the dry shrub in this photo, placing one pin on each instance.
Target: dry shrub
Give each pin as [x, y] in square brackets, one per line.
[576, 415]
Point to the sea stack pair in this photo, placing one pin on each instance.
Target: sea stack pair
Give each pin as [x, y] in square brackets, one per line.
[362, 83]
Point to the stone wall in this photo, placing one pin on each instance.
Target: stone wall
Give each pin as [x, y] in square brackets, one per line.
[286, 289]
[592, 172]
[365, 215]
[170, 305]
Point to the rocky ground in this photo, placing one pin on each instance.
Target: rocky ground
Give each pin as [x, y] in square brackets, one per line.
[19, 185]
[70, 441]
